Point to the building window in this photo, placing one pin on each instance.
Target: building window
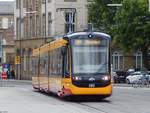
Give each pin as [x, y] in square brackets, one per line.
[43, 1]
[37, 5]
[30, 59]
[49, 23]
[31, 28]
[0, 23]
[118, 61]
[37, 25]
[43, 25]
[24, 60]
[18, 28]
[18, 3]
[138, 59]
[49, 1]
[25, 28]
[70, 22]
[10, 23]
[24, 3]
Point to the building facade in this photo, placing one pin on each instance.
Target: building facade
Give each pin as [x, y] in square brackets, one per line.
[39, 21]
[7, 33]
[122, 61]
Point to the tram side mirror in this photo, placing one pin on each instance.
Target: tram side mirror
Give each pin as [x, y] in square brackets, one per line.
[63, 50]
[67, 75]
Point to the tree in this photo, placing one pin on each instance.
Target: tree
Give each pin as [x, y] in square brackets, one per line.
[100, 15]
[129, 25]
[132, 31]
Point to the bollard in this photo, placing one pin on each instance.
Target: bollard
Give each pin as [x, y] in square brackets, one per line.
[4, 76]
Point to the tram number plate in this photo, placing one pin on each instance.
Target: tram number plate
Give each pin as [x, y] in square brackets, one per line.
[91, 85]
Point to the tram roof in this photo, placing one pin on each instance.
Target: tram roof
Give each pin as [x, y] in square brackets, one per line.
[104, 35]
[49, 46]
[60, 42]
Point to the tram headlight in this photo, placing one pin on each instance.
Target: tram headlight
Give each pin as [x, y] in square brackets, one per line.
[77, 78]
[106, 78]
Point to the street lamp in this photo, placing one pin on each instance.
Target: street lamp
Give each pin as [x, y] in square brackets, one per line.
[114, 5]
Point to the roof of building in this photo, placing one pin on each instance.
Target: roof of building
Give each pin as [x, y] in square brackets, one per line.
[6, 7]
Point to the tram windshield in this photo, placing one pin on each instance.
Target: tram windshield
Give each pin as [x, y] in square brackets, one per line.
[90, 58]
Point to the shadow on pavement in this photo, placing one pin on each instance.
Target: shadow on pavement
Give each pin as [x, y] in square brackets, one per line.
[76, 98]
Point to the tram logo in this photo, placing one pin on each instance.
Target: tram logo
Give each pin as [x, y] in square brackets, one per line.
[91, 79]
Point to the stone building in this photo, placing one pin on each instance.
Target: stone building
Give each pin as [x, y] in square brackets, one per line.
[7, 33]
[34, 27]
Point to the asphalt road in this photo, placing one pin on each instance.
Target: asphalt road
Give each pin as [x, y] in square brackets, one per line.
[19, 97]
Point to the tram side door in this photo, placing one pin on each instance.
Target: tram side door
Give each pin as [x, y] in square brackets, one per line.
[65, 65]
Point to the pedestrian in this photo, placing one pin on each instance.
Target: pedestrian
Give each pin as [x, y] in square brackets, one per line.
[8, 74]
[13, 74]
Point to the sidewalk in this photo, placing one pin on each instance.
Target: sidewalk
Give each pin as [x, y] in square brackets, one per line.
[13, 83]
[122, 85]
[131, 86]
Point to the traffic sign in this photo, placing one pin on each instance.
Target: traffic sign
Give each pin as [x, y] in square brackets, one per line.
[17, 60]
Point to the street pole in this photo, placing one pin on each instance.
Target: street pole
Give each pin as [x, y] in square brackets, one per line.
[114, 5]
[45, 20]
[20, 35]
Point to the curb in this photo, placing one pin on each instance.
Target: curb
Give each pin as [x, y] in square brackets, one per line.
[122, 85]
[130, 86]
[16, 81]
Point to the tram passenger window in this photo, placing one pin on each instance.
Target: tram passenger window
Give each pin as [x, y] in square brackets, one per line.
[67, 61]
[53, 64]
[54, 59]
[59, 62]
[33, 66]
[46, 64]
[36, 65]
[66, 64]
[56, 63]
[50, 63]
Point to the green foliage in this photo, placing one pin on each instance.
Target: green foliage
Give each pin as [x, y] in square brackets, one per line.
[100, 15]
[133, 25]
[129, 25]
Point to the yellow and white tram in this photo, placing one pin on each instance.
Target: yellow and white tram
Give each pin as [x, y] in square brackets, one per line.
[77, 64]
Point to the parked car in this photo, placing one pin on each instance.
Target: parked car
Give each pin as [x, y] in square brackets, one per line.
[114, 75]
[120, 77]
[130, 70]
[149, 72]
[136, 76]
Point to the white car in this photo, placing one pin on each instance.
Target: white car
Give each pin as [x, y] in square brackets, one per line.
[136, 76]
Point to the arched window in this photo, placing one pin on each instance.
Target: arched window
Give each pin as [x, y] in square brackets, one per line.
[118, 61]
[30, 59]
[18, 52]
[24, 59]
[138, 59]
